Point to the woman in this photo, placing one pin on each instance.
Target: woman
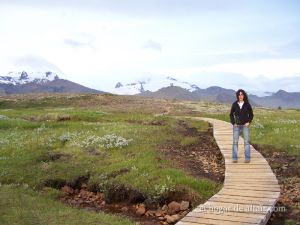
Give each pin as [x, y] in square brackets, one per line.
[241, 115]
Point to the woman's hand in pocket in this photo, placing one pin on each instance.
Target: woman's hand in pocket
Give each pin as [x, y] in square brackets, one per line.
[247, 124]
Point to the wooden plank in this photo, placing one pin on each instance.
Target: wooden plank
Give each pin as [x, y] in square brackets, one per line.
[271, 195]
[247, 165]
[249, 170]
[241, 162]
[242, 200]
[214, 221]
[189, 223]
[232, 214]
[249, 181]
[243, 197]
[250, 176]
[260, 176]
[253, 187]
[253, 182]
[234, 207]
[227, 217]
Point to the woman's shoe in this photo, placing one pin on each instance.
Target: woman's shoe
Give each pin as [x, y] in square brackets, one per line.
[247, 160]
[234, 160]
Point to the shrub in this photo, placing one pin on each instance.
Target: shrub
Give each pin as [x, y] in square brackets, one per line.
[108, 141]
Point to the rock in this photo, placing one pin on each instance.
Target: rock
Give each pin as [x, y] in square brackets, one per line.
[67, 190]
[83, 186]
[45, 166]
[141, 210]
[151, 204]
[165, 208]
[172, 219]
[158, 214]
[150, 213]
[161, 218]
[124, 209]
[284, 167]
[174, 207]
[184, 213]
[169, 219]
[103, 203]
[184, 205]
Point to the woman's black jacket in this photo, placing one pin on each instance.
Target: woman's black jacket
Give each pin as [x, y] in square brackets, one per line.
[241, 116]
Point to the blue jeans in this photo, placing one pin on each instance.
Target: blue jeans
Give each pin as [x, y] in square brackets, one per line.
[236, 133]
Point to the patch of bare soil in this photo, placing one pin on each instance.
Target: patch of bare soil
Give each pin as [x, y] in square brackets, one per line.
[287, 171]
[202, 159]
[125, 202]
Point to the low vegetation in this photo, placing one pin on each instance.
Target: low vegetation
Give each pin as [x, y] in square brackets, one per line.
[46, 146]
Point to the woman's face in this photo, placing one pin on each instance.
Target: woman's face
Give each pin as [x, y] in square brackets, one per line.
[241, 96]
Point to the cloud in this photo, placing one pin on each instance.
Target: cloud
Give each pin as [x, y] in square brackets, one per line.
[289, 49]
[80, 40]
[35, 63]
[153, 45]
[136, 7]
[270, 68]
[77, 44]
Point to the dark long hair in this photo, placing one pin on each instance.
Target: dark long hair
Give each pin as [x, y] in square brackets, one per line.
[244, 93]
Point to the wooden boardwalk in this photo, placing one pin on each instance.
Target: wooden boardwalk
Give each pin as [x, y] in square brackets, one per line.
[250, 189]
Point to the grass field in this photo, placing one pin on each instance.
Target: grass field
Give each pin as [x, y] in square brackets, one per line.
[47, 141]
[278, 128]
[20, 205]
[45, 144]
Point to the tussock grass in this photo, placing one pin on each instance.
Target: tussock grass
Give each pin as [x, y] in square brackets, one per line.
[45, 142]
[20, 205]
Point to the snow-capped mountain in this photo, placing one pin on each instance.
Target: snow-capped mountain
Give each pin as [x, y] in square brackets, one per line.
[152, 84]
[19, 78]
[39, 82]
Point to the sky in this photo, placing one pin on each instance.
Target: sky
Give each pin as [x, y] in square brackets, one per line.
[230, 43]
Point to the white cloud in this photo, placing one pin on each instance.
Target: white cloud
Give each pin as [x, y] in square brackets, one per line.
[152, 45]
[270, 68]
[35, 63]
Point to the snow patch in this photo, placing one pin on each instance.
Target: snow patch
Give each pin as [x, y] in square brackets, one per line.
[19, 78]
[152, 84]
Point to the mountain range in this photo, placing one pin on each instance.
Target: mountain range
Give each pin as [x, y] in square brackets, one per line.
[39, 82]
[166, 87]
[172, 88]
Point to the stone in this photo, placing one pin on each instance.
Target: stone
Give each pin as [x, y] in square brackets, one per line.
[124, 209]
[172, 219]
[141, 210]
[184, 205]
[158, 213]
[45, 166]
[103, 203]
[150, 213]
[174, 207]
[161, 218]
[67, 190]
[184, 213]
[284, 167]
[165, 208]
